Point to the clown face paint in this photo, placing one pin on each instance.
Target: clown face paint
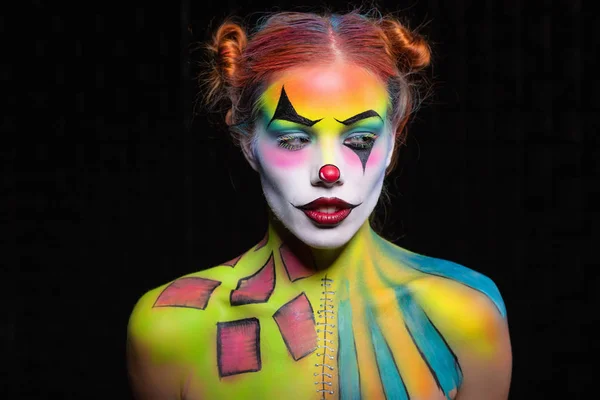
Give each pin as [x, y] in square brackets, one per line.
[330, 115]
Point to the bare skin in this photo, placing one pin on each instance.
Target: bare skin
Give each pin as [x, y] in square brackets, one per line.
[265, 331]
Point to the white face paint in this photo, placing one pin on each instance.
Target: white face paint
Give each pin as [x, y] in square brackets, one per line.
[307, 122]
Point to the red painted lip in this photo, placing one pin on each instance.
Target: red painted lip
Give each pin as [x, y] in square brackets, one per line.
[342, 210]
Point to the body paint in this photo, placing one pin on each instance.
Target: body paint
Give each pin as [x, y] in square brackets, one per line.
[296, 322]
[371, 337]
[187, 292]
[238, 347]
[298, 264]
[347, 359]
[233, 262]
[256, 288]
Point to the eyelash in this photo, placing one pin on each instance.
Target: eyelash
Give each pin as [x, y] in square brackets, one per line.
[362, 145]
[368, 140]
[284, 141]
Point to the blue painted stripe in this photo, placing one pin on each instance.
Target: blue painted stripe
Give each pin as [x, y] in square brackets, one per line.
[349, 376]
[450, 270]
[430, 343]
[391, 380]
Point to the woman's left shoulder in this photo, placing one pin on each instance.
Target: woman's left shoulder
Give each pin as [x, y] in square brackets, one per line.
[465, 305]
[468, 311]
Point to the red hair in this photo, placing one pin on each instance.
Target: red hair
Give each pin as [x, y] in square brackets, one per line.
[241, 64]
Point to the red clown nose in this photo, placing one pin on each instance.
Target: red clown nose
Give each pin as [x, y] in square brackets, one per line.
[329, 173]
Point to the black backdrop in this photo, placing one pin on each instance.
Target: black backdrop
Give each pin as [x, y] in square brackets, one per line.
[127, 188]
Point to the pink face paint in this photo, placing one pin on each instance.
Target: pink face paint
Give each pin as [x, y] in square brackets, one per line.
[351, 159]
[375, 158]
[279, 157]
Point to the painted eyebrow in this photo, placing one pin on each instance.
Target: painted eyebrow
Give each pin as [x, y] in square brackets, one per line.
[360, 117]
[285, 111]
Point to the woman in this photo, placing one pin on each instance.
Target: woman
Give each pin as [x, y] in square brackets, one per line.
[323, 307]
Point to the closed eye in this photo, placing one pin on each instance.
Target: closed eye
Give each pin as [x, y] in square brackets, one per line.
[293, 141]
[361, 141]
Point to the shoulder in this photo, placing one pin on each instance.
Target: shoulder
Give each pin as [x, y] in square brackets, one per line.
[469, 312]
[165, 319]
[450, 275]
[465, 305]
[467, 309]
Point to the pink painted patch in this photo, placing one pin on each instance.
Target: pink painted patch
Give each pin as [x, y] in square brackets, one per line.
[263, 242]
[296, 267]
[238, 346]
[233, 262]
[296, 322]
[189, 292]
[256, 288]
[281, 158]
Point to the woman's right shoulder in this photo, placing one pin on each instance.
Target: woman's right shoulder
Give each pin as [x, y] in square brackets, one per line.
[169, 313]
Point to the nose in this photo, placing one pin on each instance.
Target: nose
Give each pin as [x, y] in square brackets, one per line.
[327, 160]
[329, 175]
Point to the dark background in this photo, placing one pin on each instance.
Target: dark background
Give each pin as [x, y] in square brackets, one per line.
[126, 187]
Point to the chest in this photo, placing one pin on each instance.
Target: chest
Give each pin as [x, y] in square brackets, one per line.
[318, 344]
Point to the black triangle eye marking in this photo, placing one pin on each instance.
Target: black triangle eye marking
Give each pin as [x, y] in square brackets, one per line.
[286, 111]
[363, 155]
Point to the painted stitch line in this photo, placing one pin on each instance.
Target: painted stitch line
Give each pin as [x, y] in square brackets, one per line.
[326, 347]
[325, 391]
[327, 313]
[325, 366]
[324, 330]
[326, 340]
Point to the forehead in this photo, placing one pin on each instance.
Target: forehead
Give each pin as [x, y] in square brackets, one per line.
[330, 90]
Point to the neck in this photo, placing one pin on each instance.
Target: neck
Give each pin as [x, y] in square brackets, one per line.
[329, 260]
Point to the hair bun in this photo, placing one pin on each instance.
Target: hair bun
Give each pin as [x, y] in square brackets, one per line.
[408, 47]
[228, 43]
[224, 50]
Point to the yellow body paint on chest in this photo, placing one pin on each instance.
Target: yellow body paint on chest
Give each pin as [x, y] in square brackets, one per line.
[369, 326]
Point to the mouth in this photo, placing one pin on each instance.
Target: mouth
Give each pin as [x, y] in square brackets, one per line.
[327, 211]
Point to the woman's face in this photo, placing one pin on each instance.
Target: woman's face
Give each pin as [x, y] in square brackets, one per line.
[321, 146]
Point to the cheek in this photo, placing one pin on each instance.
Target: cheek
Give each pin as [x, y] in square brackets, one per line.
[351, 158]
[276, 157]
[375, 158]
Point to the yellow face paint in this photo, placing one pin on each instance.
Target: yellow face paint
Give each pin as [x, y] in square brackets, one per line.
[326, 95]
